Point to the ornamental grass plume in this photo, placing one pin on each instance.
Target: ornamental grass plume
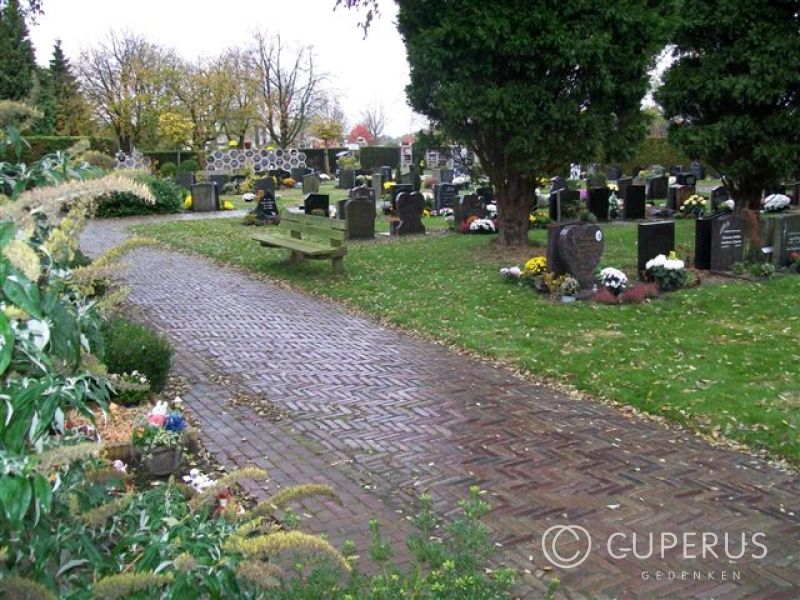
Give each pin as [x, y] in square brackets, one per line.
[14, 587]
[258, 573]
[125, 584]
[291, 494]
[266, 546]
[223, 483]
[23, 258]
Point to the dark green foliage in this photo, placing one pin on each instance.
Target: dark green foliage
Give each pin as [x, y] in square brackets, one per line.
[160, 157]
[17, 61]
[43, 96]
[379, 156]
[315, 157]
[132, 347]
[532, 86]
[40, 145]
[167, 169]
[169, 199]
[656, 151]
[188, 166]
[71, 113]
[733, 94]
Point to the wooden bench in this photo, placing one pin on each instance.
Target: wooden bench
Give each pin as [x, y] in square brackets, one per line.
[294, 230]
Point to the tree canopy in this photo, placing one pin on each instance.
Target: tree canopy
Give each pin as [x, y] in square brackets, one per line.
[733, 93]
[531, 86]
[17, 62]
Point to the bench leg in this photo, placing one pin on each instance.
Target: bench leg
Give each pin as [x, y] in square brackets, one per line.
[338, 265]
[295, 257]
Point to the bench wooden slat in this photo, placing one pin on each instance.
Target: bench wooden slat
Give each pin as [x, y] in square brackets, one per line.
[319, 232]
[290, 217]
[304, 246]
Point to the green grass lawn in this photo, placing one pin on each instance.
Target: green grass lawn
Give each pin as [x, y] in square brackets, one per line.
[722, 358]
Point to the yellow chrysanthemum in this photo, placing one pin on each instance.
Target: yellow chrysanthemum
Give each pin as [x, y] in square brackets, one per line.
[536, 265]
[187, 202]
[227, 205]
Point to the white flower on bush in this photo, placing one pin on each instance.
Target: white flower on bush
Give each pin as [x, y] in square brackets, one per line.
[613, 280]
[481, 225]
[491, 209]
[446, 212]
[670, 264]
[776, 202]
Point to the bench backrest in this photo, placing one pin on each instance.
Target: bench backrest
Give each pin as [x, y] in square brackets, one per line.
[301, 226]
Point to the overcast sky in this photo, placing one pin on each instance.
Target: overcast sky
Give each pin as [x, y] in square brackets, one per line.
[361, 71]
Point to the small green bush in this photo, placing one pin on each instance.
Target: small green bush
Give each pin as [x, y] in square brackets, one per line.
[98, 159]
[188, 166]
[169, 199]
[132, 347]
[168, 169]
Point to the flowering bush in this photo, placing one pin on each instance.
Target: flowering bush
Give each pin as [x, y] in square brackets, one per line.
[536, 265]
[613, 280]
[511, 273]
[289, 182]
[776, 202]
[694, 206]
[130, 389]
[482, 226]
[670, 273]
[539, 219]
[794, 261]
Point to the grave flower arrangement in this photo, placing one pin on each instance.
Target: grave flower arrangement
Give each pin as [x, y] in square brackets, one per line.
[668, 272]
[776, 203]
[482, 226]
[511, 274]
[534, 272]
[569, 287]
[614, 280]
[539, 220]
[727, 206]
[158, 440]
[694, 206]
[794, 261]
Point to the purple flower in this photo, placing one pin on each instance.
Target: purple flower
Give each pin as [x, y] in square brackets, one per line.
[175, 422]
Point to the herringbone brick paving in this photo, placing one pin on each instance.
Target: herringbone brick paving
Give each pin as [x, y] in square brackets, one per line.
[383, 416]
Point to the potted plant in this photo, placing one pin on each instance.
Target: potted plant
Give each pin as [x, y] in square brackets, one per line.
[569, 289]
[158, 442]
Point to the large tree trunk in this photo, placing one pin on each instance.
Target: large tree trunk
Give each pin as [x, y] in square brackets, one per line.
[514, 198]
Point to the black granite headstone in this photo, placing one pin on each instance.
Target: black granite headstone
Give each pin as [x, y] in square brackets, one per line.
[347, 179]
[719, 242]
[267, 208]
[634, 202]
[654, 238]
[398, 189]
[657, 188]
[557, 184]
[486, 194]
[445, 195]
[674, 170]
[409, 211]
[698, 170]
[598, 202]
[622, 183]
[613, 173]
[467, 206]
[685, 179]
[317, 202]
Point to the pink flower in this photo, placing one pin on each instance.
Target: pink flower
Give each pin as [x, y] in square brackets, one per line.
[157, 420]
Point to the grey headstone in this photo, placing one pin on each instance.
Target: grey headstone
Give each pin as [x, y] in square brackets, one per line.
[409, 210]
[719, 242]
[204, 197]
[360, 218]
[311, 184]
[445, 195]
[785, 237]
[698, 170]
[446, 176]
[654, 238]
[407, 179]
[347, 179]
[316, 202]
[377, 185]
[185, 179]
[298, 173]
[363, 191]
[634, 202]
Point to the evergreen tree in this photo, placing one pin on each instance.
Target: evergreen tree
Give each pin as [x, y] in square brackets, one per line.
[43, 98]
[71, 111]
[17, 63]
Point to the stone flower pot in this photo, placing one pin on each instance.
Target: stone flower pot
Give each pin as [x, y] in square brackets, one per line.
[164, 461]
[567, 299]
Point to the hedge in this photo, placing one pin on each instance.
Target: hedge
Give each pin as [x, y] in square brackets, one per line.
[656, 151]
[168, 194]
[379, 156]
[315, 157]
[159, 157]
[48, 144]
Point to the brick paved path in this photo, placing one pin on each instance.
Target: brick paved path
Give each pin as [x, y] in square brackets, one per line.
[382, 416]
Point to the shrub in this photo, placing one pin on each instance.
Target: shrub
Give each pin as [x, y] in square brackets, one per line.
[188, 166]
[168, 169]
[132, 347]
[98, 159]
[168, 199]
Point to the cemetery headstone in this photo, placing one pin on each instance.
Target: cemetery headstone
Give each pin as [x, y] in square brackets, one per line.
[311, 184]
[409, 210]
[634, 199]
[265, 184]
[445, 195]
[347, 179]
[407, 178]
[635, 171]
[719, 242]
[363, 191]
[360, 218]
[575, 248]
[657, 187]
[446, 176]
[793, 191]
[622, 183]
[386, 173]
[698, 170]
[598, 202]
[377, 185]
[486, 194]
[204, 197]
[785, 237]
[613, 173]
[557, 184]
[554, 207]
[654, 238]
[340, 209]
[467, 206]
[674, 170]
[685, 178]
[682, 194]
[316, 202]
[719, 194]
[266, 209]
[185, 179]
[297, 173]
[400, 189]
